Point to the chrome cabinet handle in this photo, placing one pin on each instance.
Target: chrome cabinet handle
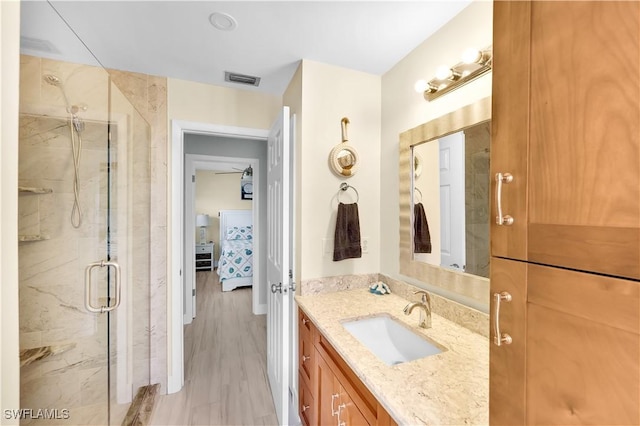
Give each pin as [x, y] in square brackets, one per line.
[340, 407]
[88, 285]
[304, 321]
[500, 179]
[333, 410]
[305, 408]
[500, 338]
[305, 358]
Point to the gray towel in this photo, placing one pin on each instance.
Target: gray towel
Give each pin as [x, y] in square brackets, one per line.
[421, 235]
[347, 236]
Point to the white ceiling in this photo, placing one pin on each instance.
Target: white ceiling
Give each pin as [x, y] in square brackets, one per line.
[175, 39]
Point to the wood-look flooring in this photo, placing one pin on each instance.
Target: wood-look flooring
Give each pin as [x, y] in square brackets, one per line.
[225, 363]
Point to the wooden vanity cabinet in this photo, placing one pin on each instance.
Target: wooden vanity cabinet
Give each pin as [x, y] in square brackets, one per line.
[335, 403]
[332, 386]
[570, 261]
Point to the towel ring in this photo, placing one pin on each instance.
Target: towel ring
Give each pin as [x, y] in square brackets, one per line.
[343, 187]
[419, 192]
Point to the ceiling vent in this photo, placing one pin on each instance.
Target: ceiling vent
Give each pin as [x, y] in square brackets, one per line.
[248, 80]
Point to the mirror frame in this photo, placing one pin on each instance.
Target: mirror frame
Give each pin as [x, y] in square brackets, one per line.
[470, 286]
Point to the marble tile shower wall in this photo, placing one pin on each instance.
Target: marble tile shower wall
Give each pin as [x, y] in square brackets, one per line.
[148, 95]
[51, 271]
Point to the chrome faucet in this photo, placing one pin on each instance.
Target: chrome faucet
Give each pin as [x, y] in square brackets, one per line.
[425, 311]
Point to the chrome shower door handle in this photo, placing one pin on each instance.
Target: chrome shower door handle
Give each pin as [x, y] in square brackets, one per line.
[88, 286]
[500, 179]
[499, 337]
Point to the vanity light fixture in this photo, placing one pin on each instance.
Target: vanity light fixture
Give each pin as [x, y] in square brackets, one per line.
[474, 64]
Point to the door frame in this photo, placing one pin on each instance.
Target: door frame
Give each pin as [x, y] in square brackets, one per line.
[194, 162]
[175, 240]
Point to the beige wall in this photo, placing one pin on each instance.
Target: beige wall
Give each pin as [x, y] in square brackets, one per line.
[215, 192]
[403, 108]
[205, 103]
[328, 94]
[9, 78]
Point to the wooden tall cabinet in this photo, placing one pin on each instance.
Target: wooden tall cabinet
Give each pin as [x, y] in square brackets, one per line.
[566, 126]
[566, 151]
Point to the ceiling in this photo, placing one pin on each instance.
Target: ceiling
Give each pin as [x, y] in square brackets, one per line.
[176, 39]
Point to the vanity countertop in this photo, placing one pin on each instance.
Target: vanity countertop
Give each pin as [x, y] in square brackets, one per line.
[450, 388]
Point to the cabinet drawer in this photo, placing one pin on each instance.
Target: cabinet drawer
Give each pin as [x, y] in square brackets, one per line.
[304, 323]
[306, 357]
[207, 248]
[206, 256]
[306, 406]
[306, 350]
[202, 264]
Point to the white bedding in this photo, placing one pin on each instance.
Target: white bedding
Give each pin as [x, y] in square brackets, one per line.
[236, 259]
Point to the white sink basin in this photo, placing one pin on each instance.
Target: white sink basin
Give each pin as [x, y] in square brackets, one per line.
[390, 340]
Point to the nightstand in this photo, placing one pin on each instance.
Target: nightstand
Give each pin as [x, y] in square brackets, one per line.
[204, 257]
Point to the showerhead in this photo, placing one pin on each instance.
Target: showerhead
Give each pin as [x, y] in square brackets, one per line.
[71, 109]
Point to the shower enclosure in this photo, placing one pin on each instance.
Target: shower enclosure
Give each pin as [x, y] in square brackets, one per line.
[84, 205]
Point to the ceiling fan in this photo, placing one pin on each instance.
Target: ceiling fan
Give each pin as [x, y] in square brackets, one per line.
[245, 172]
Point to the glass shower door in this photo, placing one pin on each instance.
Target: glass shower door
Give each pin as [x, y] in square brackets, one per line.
[84, 160]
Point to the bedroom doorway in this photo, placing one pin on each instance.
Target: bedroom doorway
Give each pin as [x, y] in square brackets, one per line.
[222, 172]
[203, 139]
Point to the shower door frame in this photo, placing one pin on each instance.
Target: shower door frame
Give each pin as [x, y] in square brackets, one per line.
[124, 352]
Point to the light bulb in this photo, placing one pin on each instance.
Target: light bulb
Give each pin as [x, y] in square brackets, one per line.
[471, 56]
[443, 72]
[421, 86]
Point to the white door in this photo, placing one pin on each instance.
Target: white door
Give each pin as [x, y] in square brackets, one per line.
[278, 264]
[452, 206]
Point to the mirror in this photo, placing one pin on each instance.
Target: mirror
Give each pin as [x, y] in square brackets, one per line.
[416, 169]
[451, 200]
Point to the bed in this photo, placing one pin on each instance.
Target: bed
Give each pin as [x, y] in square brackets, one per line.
[235, 266]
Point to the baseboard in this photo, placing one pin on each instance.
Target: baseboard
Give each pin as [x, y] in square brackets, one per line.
[261, 309]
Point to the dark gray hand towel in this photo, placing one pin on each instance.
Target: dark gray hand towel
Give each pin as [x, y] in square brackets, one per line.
[421, 235]
[347, 236]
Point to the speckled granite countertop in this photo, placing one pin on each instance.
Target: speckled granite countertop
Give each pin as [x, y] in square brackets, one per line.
[450, 388]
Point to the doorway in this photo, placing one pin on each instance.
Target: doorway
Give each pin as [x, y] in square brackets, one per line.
[182, 132]
[199, 165]
[196, 139]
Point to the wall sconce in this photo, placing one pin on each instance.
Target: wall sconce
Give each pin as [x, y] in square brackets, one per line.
[474, 64]
[202, 220]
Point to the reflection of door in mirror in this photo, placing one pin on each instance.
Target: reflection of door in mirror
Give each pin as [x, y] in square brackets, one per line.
[452, 209]
[455, 184]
